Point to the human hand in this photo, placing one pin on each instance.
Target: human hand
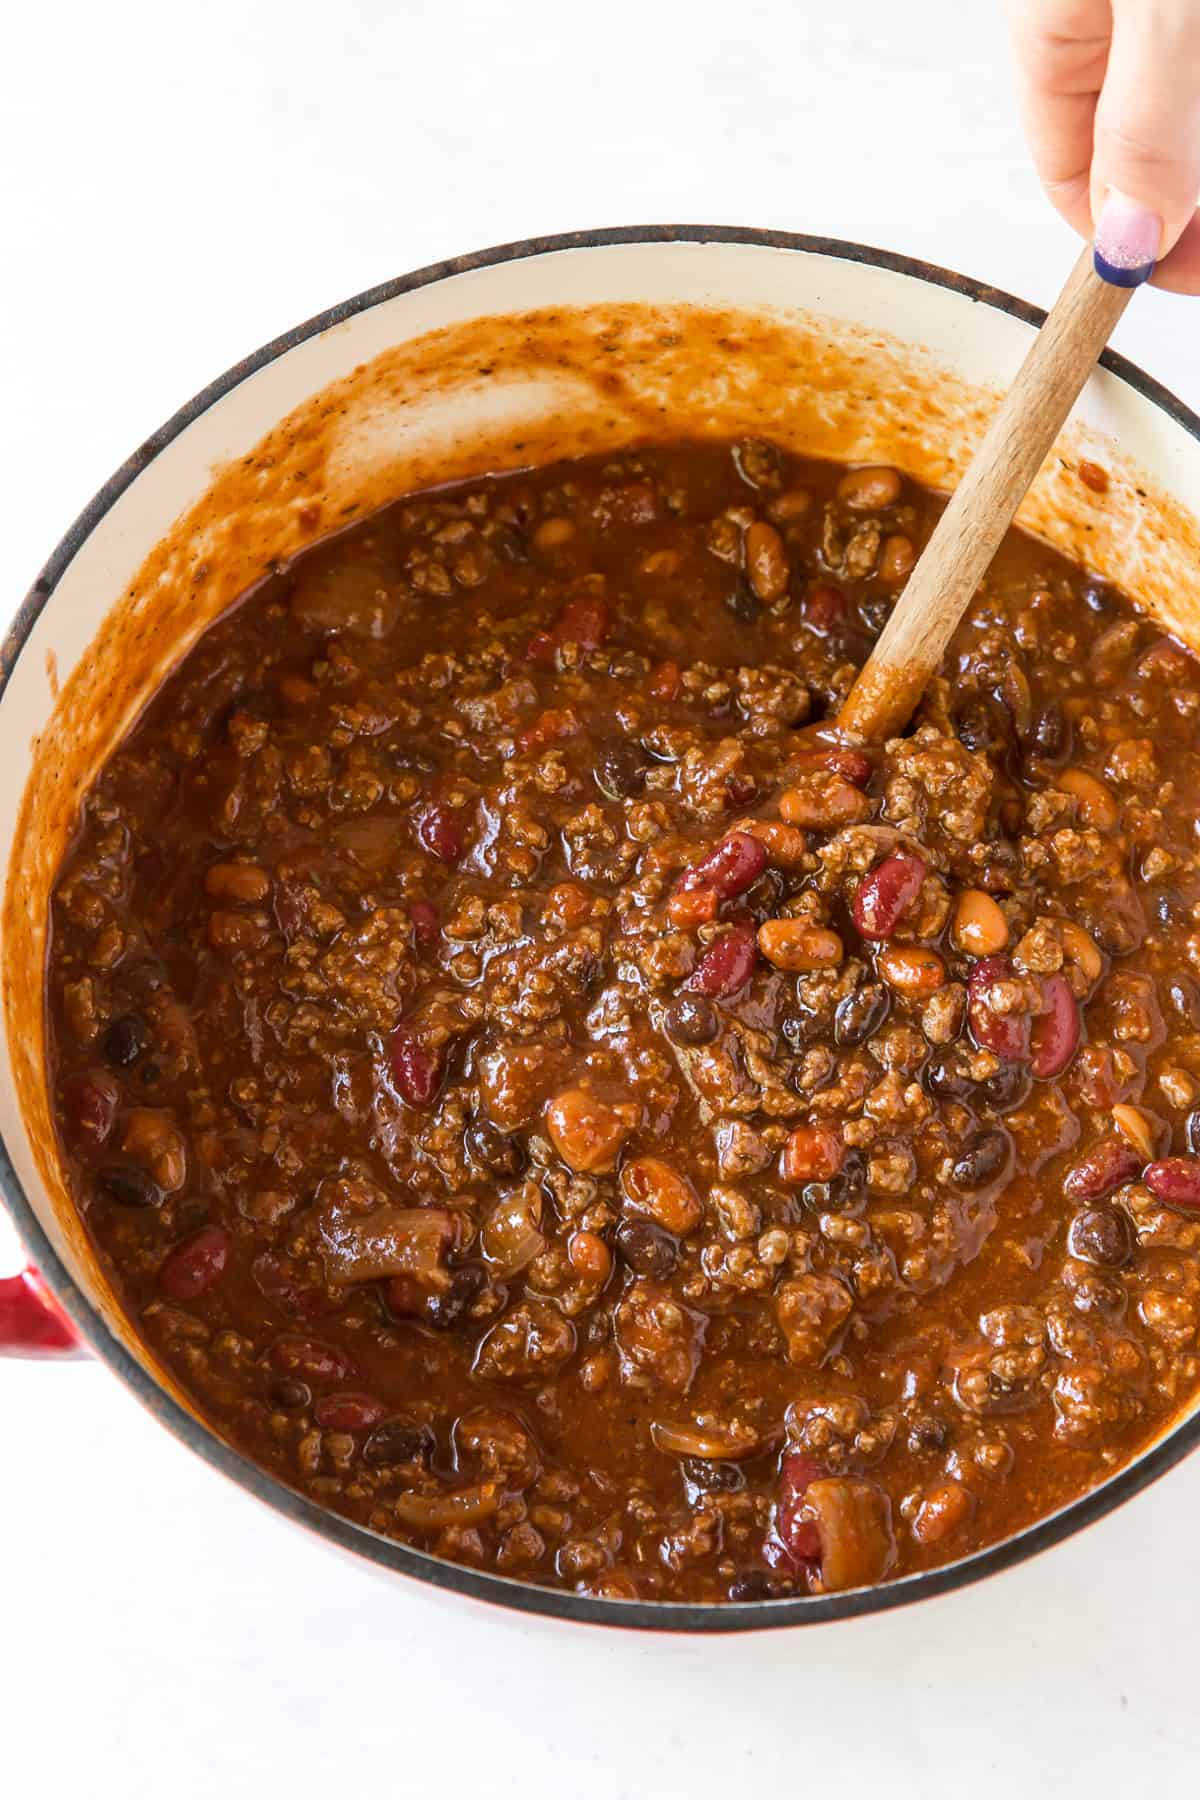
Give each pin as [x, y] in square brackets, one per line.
[1110, 91]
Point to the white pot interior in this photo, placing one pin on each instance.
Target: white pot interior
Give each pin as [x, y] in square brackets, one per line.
[512, 363]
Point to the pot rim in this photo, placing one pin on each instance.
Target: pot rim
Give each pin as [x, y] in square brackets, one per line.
[729, 1616]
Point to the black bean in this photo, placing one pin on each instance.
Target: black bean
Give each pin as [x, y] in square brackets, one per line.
[860, 1014]
[507, 543]
[1183, 998]
[1009, 1087]
[620, 770]
[647, 1248]
[129, 1185]
[399, 1441]
[712, 1477]
[1170, 908]
[691, 1019]
[444, 1311]
[928, 1433]
[1099, 1296]
[124, 1041]
[756, 1584]
[290, 1394]
[875, 610]
[1049, 736]
[977, 727]
[742, 603]
[984, 1160]
[494, 1149]
[1101, 1235]
[945, 1077]
[841, 1194]
[801, 1029]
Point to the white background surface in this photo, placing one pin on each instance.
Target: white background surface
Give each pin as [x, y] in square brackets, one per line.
[177, 185]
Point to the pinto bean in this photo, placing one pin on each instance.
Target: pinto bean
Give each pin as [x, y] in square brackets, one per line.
[237, 881]
[652, 1187]
[912, 969]
[812, 1153]
[766, 562]
[869, 489]
[586, 1132]
[980, 928]
[824, 801]
[896, 559]
[1097, 806]
[794, 944]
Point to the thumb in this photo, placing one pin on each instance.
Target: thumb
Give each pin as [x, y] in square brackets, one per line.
[1145, 177]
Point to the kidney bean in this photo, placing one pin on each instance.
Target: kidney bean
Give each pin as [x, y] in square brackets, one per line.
[734, 865]
[823, 607]
[664, 681]
[440, 831]
[1054, 1037]
[1104, 1167]
[727, 964]
[852, 765]
[129, 1185]
[886, 893]
[426, 926]
[196, 1265]
[416, 1071]
[309, 1360]
[1007, 1034]
[799, 1536]
[89, 1106]
[585, 620]
[691, 1019]
[1176, 1179]
[550, 727]
[1101, 1235]
[348, 1412]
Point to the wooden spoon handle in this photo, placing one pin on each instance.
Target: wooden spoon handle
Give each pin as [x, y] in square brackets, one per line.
[983, 505]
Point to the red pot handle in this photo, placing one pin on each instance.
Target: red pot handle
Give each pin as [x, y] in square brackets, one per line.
[31, 1321]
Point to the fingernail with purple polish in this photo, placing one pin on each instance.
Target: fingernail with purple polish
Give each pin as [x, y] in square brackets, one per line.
[1127, 240]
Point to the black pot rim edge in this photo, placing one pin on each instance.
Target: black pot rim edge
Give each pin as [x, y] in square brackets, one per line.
[502, 1590]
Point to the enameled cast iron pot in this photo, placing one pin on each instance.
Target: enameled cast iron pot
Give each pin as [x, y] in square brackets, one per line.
[515, 356]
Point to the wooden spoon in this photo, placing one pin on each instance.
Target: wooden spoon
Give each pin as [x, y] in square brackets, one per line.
[983, 506]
